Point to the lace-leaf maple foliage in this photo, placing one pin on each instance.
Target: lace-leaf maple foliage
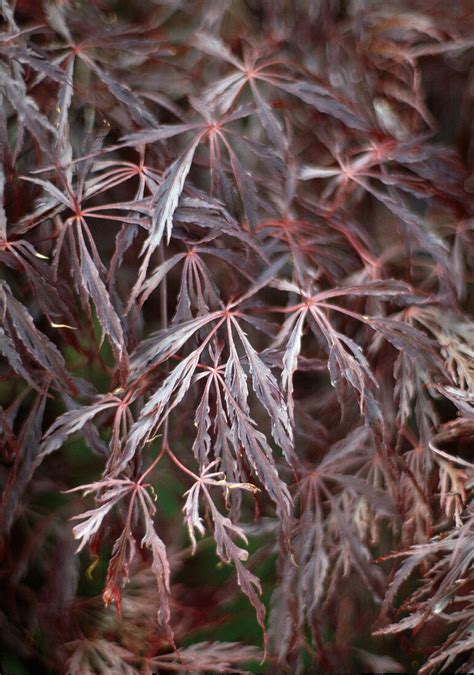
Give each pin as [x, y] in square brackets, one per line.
[237, 380]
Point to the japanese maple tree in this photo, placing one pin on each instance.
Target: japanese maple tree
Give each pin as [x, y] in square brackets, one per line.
[237, 336]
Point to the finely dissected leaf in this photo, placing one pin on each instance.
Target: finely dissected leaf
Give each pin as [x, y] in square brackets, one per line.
[219, 657]
[225, 531]
[158, 275]
[71, 422]
[90, 654]
[158, 407]
[229, 551]
[213, 46]
[290, 359]
[64, 105]
[380, 288]
[57, 19]
[447, 655]
[163, 206]
[165, 201]
[323, 100]
[92, 521]
[54, 192]
[20, 324]
[268, 393]
[269, 120]
[403, 572]
[97, 290]
[409, 340]
[260, 457]
[165, 343]
[160, 567]
[123, 554]
[158, 134]
[246, 188]
[174, 387]
[347, 361]
[113, 492]
[410, 622]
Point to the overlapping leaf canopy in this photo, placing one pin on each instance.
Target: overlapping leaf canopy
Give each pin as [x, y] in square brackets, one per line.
[236, 245]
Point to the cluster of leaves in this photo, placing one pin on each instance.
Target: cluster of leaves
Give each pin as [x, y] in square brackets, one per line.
[237, 268]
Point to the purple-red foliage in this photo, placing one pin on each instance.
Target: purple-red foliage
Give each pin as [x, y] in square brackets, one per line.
[236, 242]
